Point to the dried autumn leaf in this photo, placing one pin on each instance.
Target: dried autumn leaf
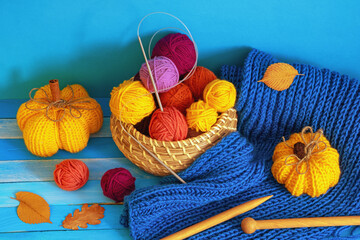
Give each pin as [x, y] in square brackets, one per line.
[88, 215]
[279, 76]
[32, 208]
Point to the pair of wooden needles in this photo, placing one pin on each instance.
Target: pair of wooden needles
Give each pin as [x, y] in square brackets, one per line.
[250, 225]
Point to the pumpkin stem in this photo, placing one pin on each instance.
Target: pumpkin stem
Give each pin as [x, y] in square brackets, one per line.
[55, 89]
[299, 150]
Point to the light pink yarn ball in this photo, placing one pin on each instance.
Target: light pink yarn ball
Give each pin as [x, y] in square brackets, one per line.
[164, 72]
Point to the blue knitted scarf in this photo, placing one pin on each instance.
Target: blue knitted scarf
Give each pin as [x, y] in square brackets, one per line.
[237, 169]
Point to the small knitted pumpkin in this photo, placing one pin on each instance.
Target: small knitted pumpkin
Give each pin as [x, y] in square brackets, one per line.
[306, 163]
[55, 119]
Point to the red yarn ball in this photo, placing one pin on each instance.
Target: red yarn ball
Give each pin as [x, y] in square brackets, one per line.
[169, 125]
[179, 97]
[116, 183]
[71, 174]
[198, 81]
[179, 48]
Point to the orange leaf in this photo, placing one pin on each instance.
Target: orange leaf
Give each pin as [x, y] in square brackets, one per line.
[88, 215]
[279, 76]
[32, 208]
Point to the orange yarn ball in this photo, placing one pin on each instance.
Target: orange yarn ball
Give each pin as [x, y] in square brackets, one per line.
[198, 81]
[179, 97]
[71, 174]
[169, 125]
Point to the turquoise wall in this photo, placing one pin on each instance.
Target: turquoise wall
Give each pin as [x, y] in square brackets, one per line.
[93, 42]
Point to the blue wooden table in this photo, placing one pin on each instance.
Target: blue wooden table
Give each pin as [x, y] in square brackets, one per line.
[22, 171]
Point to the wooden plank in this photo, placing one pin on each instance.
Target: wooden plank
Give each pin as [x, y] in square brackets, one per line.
[9, 221]
[15, 149]
[90, 193]
[10, 130]
[42, 170]
[118, 234]
[9, 107]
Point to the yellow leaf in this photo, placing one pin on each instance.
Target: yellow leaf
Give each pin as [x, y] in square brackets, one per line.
[279, 76]
[88, 215]
[32, 208]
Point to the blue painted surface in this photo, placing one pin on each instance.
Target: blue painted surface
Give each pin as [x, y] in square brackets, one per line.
[29, 177]
[22, 171]
[121, 234]
[94, 42]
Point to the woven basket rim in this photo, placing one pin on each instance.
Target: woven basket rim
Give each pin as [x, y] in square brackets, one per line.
[188, 141]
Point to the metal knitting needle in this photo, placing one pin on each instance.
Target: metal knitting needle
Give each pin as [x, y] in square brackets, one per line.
[217, 219]
[151, 76]
[250, 225]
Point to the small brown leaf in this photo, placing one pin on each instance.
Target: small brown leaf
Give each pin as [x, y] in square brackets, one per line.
[32, 208]
[279, 76]
[88, 215]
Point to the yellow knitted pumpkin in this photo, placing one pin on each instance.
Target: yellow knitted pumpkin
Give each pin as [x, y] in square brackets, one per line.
[306, 163]
[54, 120]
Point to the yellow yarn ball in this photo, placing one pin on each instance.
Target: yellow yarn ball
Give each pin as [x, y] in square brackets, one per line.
[220, 94]
[131, 102]
[314, 179]
[200, 116]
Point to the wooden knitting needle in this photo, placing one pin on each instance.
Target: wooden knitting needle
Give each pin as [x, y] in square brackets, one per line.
[250, 225]
[221, 217]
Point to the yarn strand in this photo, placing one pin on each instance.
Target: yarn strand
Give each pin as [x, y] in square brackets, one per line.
[155, 89]
[62, 104]
[149, 46]
[309, 148]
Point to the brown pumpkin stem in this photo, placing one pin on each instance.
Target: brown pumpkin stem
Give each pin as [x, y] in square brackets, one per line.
[55, 89]
[299, 150]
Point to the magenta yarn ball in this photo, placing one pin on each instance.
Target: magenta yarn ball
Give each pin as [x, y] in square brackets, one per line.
[179, 48]
[164, 72]
[117, 183]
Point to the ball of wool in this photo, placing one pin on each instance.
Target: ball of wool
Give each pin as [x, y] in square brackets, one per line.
[71, 174]
[137, 77]
[198, 81]
[193, 133]
[164, 72]
[201, 116]
[179, 48]
[143, 126]
[168, 125]
[131, 102]
[179, 97]
[220, 94]
[117, 183]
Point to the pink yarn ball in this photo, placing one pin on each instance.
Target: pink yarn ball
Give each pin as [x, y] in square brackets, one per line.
[164, 72]
[117, 183]
[179, 48]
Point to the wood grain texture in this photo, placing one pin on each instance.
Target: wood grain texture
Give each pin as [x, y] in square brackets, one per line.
[22, 171]
[90, 193]
[118, 234]
[15, 149]
[10, 130]
[42, 170]
[9, 222]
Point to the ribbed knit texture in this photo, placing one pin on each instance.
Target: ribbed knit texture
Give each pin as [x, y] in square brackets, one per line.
[44, 137]
[237, 169]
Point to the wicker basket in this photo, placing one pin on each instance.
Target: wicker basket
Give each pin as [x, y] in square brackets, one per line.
[177, 155]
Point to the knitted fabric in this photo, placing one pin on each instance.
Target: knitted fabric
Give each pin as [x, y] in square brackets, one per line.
[44, 137]
[237, 169]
